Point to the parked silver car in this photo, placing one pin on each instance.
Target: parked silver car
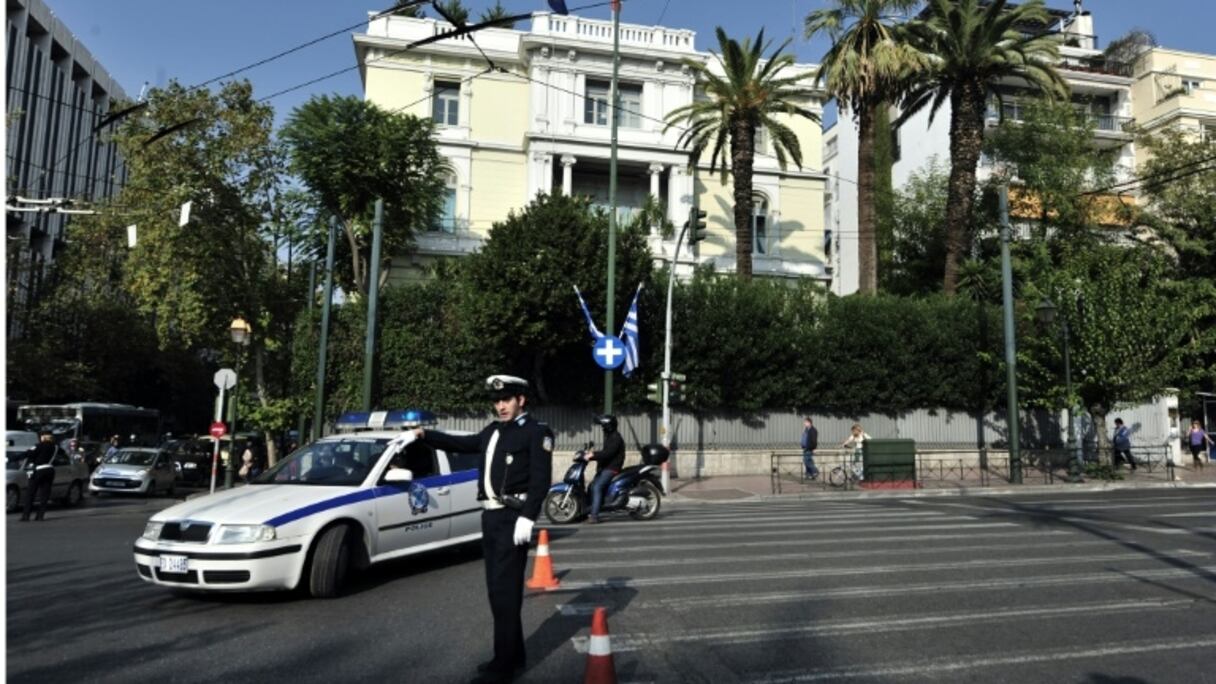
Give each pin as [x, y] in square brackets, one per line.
[70, 473]
[135, 470]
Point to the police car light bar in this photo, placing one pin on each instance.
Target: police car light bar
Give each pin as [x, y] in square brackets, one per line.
[385, 420]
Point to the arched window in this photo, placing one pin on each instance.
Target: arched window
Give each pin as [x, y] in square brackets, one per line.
[760, 243]
[446, 222]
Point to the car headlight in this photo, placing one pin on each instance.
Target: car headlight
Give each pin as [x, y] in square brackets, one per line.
[152, 530]
[244, 534]
[189, 465]
[142, 473]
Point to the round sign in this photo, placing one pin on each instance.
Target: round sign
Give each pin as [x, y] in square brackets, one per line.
[224, 378]
[609, 352]
[218, 429]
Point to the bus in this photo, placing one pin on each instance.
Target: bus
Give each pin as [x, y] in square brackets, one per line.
[88, 426]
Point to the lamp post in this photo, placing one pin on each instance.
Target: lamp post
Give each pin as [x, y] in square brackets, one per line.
[240, 332]
[1045, 313]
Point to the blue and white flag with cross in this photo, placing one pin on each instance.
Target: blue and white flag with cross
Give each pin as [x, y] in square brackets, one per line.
[629, 335]
[595, 332]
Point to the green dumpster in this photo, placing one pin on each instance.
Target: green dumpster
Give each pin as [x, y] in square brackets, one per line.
[889, 460]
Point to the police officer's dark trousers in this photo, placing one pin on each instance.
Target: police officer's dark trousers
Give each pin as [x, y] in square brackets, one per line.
[505, 566]
[40, 486]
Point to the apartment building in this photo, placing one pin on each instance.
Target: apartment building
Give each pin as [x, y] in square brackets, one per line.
[1175, 88]
[56, 93]
[540, 124]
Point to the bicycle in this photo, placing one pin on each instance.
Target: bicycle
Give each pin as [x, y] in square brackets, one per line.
[845, 472]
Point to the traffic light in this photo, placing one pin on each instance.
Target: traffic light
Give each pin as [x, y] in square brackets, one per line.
[656, 393]
[675, 390]
[696, 225]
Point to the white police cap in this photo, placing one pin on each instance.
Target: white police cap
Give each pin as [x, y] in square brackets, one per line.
[500, 386]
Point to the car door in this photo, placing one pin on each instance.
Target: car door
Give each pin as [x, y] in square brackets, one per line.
[64, 473]
[410, 514]
[162, 470]
[466, 509]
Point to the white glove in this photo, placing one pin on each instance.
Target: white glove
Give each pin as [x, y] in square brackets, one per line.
[523, 530]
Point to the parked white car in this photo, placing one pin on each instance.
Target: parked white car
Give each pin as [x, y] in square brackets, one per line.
[345, 501]
[135, 470]
[70, 473]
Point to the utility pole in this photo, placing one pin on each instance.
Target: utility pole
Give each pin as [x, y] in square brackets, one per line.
[318, 412]
[373, 297]
[614, 97]
[1011, 360]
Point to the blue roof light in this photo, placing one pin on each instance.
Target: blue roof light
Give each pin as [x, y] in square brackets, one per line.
[400, 419]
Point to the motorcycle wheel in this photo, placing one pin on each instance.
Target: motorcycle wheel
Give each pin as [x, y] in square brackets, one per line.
[653, 498]
[559, 513]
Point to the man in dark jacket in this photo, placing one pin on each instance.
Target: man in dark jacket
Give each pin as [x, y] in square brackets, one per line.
[42, 477]
[609, 462]
[810, 442]
[513, 478]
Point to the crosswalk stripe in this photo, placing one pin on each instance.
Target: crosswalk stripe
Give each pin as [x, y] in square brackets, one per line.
[803, 519]
[943, 666]
[593, 538]
[569, 585]
[785, 632]
[1196, 514]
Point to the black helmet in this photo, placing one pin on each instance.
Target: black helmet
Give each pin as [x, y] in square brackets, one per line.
[606, 421]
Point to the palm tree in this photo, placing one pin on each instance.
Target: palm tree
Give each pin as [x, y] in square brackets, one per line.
[750, 93]
[864, 69]
[972, 47]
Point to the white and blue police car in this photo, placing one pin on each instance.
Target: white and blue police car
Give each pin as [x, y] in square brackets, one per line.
[366, 494]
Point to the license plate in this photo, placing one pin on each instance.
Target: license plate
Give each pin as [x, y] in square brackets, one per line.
[174, 564]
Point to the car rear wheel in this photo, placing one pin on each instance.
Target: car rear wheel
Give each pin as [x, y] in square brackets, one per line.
[12, 499]
[330, 563]
[75, 494]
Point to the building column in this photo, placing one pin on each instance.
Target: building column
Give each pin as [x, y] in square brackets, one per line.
[568, 162]
[656, 169]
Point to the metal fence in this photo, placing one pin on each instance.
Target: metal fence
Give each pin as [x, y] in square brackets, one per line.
[960, 469]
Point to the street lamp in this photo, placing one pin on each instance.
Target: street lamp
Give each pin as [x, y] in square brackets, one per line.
[241, 332]
[1045, 313]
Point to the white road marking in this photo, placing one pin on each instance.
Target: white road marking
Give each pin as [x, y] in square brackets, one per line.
[622, 643]
[1197, 514]
[822, 531]
[922, 669]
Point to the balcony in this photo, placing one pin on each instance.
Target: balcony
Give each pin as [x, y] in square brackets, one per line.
[1016, 111]
[1096, 65]
[600, 31]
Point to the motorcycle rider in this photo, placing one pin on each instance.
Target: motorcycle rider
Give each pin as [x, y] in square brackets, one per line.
[609, 462]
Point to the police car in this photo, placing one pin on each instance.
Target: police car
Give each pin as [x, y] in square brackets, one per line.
[364, 495]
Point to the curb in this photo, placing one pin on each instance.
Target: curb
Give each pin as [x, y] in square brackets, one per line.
[937, 493]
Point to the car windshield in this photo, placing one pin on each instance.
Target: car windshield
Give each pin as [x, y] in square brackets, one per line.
[331, 462]
[130, 457]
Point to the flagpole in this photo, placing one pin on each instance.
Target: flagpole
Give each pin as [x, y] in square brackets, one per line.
[614, 98]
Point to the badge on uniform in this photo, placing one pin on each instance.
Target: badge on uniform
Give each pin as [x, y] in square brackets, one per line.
[510, 459]
[547, 443]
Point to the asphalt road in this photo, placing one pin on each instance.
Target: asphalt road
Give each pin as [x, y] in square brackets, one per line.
[1103, 588]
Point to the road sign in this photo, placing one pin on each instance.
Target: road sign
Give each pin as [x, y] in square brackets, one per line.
[609, 352]
[218, 429]
[225, 378]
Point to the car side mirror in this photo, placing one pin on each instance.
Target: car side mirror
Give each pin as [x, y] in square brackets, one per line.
[399, 475]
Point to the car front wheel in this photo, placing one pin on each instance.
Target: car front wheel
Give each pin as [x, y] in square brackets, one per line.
[330, 563]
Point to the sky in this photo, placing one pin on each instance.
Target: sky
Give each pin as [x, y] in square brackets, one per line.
[155, 41]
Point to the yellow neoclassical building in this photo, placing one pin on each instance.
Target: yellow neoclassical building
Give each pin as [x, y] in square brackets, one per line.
[524, 112]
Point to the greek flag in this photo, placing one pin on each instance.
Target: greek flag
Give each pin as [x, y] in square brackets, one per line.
[595, 332]
[629, 335]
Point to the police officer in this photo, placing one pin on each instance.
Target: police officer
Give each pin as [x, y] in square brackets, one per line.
[514, 475]
[43, 475]
[609, 462]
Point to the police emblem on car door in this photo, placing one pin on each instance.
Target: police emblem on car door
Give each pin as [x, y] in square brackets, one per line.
[412, 513]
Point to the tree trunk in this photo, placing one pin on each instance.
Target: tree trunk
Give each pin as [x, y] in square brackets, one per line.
[259, 375]
[742, 155]
[966, 141]
[358, 270]
[1105, 449]
[867, 246]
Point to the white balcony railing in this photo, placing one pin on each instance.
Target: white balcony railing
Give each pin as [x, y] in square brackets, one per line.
[600, 31]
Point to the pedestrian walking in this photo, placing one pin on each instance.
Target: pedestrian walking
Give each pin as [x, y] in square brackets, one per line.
[1199, 441]
[809, 443]
[1123, 445]
[514, 474]
[43, 477]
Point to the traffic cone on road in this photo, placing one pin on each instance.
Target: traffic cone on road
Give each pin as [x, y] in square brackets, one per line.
[542, 567]
[600, 668]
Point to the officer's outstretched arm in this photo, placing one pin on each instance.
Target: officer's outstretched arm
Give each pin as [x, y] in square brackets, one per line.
[450, 443]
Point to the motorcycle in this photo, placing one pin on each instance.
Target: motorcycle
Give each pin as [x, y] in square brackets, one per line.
[636, 489]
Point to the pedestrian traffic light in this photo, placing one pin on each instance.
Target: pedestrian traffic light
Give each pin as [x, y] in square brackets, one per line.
[675, 391]
[696, 225]
[656, 393]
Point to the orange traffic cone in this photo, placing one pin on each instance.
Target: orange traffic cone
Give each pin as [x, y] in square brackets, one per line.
[600, 668]
[542, 569]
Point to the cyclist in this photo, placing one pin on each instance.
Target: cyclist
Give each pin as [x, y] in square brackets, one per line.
[609, 461]
[856, 439]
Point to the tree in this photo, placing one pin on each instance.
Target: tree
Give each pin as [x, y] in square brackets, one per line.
[494, 13]
[752, 92]
[409, 8]
[971, 47]
[866, 65]
[453, 10]
[349, 152]
[918, 233]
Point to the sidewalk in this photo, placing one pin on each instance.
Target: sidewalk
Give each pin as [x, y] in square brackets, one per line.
[733, 488]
